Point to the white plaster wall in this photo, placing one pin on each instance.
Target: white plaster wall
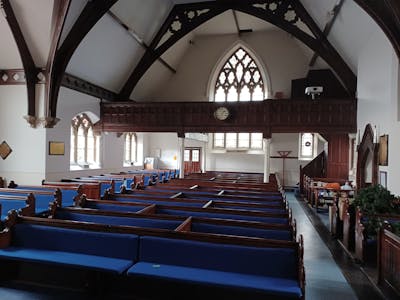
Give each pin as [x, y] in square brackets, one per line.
[281, 55]
[71, 103]
[168, 146]
[165, 144]
[244, 162]
[378, 88]
[26, 163]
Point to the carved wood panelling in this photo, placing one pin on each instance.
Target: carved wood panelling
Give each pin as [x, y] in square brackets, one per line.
[338, 156]
[284, 115]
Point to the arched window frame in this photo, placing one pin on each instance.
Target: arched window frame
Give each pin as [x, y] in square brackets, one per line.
[215, 83]
[83, 122]
[225, 57]
[130, 143]
[307, 146]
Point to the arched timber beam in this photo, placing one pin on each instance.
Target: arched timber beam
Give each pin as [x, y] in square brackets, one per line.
[186, 17]
[60, 11]
[318, 43]
[284, 14]
[386, 13]
[89, 16]
[30, 69]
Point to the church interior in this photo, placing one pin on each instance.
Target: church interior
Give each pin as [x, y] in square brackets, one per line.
[186, 149]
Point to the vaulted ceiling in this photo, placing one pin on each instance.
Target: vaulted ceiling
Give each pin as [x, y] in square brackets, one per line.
[114, 44]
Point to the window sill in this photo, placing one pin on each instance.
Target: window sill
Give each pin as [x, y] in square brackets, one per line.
[80, 167]
[242, 151]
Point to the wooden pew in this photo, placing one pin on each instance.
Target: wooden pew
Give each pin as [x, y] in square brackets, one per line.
[312, 185]
[337, 212]
[286, 255]
[283, 218]
[348, 225]
[196, 224]
[91, 190]
[25, 205]
[43, 197]
[217, 200]
[389, 259]
[362, 251]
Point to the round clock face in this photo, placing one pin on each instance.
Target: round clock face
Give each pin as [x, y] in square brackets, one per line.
[221, 113]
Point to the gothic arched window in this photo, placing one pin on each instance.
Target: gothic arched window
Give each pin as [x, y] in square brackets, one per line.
[130, 148]
[85, 144]
[239, 79]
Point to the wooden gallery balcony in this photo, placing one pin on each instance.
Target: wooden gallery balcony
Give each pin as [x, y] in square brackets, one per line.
[268, 116]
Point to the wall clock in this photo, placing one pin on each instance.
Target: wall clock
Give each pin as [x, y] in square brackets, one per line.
[222, 113]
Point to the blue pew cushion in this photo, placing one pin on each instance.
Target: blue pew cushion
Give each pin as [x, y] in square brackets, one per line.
[114, 220]
[274, 262]
[113, 252]
[271, 285]
[242, 231]
[79, 260]
[75, 240]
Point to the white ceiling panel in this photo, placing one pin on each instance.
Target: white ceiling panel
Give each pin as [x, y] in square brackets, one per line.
[319, 10]
[34, 18]
[225, 24]
[9, 55]
[174, 55]
[106, 56]
[250, 22]
[143, 17]
[351, 31]
[221, 24]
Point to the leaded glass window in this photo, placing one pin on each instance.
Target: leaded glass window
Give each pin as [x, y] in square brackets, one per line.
[85, 144]
[130, 147]
[239, 79]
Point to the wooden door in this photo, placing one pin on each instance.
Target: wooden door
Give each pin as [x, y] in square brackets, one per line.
[192, 160]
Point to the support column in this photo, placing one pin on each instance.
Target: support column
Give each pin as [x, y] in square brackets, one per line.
[267, 158]
[181, 140]
[204, 158]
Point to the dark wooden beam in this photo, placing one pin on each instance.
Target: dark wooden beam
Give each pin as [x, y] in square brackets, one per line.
[30, 70]
[328, 26]
[235, 18]
[83, 86]
[386, 13]
[326, 51]
[186, 17]
[179, 14]
[89, 16]
[269, 116]
[138, 39]
[60, 11]
[16, 77]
